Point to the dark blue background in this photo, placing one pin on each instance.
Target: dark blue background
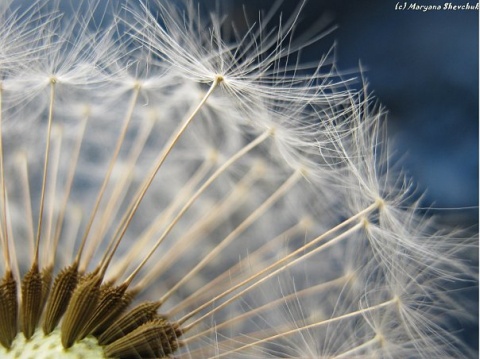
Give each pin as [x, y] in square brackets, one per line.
[424, 68]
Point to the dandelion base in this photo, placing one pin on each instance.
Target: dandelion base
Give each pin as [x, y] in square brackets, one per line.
[42, 346]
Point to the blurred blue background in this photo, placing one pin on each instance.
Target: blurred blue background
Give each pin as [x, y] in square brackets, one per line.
[424, 68]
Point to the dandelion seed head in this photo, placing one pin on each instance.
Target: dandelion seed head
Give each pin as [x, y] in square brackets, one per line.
[168, 190]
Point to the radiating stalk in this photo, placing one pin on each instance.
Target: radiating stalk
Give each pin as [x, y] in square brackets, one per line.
[219, 171]
[124, 223]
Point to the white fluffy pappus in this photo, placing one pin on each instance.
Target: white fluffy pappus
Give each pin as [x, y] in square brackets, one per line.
[168, 192]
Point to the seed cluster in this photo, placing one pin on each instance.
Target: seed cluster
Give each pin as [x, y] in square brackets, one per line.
[89, 309]
[201, 192]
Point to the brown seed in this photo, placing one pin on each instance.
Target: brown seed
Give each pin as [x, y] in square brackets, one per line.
[110, 304]
[32, 298]
[80, 308]
[109, 320]
[47, 275]
[8, 310]
[157, 338]
[139, 315]
[60, 295]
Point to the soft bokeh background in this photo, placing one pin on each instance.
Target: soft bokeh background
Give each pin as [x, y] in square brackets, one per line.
[424, 68]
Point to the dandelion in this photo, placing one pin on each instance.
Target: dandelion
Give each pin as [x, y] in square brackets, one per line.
[170, 192]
